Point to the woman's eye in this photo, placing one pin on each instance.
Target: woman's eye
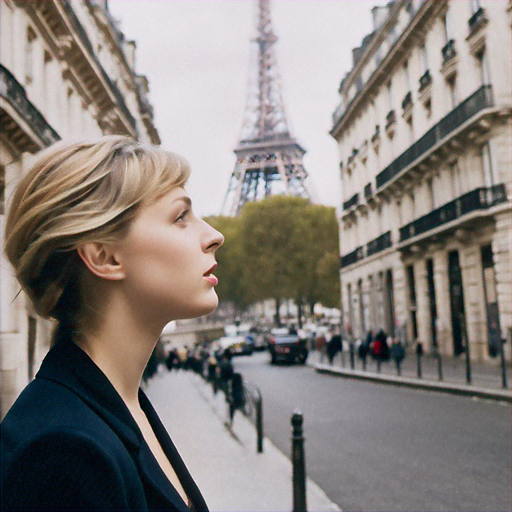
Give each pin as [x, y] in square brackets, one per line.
[183, 216]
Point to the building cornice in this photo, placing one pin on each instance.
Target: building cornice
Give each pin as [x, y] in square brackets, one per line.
[415, 30]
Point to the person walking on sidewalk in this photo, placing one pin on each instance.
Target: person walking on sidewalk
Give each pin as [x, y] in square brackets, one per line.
[103, 240]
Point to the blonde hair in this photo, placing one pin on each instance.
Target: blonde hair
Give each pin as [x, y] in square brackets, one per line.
[74, 193]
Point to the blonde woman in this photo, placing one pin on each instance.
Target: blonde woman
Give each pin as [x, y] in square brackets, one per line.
[102, 238]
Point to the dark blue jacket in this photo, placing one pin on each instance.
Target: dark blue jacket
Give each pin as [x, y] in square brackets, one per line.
[70, 443]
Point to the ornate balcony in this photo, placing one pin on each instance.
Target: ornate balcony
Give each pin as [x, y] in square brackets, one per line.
[368, 191]
[425, 80]
[448, 51]
[407, 101]
[14, 94]
[351, 202]
[379, 244]
[478, 19]
[478, 199]
[479, 100]
[352, 257]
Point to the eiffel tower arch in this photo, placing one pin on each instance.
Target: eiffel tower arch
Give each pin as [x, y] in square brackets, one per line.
[269, 160]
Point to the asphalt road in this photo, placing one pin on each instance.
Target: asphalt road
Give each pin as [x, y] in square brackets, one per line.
[382, 448]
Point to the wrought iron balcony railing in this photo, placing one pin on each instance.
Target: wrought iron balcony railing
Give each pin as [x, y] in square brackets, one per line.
[15, 95]
[379, 244]
[478, 199]
[478, 18]
[448, 51]
[425, 80]
[407, 100]
[368, 190]
[352, 257]
[351, 202]
[479, 100]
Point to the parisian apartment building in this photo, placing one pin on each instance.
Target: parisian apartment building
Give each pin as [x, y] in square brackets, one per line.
[66, 71]
[424, 134]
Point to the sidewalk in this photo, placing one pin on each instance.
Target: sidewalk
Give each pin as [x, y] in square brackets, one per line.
[486, 378]
[223, 461]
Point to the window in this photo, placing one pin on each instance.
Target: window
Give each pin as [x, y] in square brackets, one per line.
[407, 76]
[29, 56]
[452, 89]
[483, 67]
[446, 31]
[431, 195]
[424, 57]
[487, 167]
[389, 89]
[455, 179]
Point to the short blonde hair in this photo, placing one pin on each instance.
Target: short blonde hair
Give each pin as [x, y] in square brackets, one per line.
[80, 192]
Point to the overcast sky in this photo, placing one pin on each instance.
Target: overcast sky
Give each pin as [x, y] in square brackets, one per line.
[195, 54]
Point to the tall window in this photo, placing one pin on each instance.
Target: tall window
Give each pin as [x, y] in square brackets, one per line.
[431, 195]
[483, 67]
[487, 167]
[446, 30]
[452, 89]
[455, 177]
[424, 57]
[407, 76]
[389, 89]
[29, 56]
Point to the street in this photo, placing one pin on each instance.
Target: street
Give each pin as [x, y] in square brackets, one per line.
[379, 448]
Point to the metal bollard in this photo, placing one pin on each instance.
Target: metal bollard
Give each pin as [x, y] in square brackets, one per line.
[259, 424]
[439, 366]
[419, 354]
[299, 464]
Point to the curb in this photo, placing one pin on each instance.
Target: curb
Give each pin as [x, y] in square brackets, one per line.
[456, 389]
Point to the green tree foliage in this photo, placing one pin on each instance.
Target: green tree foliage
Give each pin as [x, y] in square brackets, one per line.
[279, 248]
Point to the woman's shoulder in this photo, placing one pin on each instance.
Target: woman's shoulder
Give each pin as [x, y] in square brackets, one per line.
[47, 410]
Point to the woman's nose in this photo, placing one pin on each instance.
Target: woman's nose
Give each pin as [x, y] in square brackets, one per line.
[214, 239]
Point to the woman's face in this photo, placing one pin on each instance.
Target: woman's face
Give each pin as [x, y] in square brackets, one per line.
[168, 258]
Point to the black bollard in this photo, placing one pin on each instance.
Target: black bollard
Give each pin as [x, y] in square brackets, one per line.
[503, 366]
[352, 354]
[419, 353]
[259, 424]
[299, 464]
[439, 366]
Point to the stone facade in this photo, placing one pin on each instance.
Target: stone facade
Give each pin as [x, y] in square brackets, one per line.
[66, 71]
[424, 131]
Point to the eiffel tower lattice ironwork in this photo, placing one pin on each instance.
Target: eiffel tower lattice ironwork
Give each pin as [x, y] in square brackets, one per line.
[268, 158]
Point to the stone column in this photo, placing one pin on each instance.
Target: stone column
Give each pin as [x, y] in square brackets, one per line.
[474, 303]
[441, 285]
[501, 249]
[422, 305]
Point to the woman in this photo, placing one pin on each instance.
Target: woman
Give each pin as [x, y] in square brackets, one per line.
[102, 238]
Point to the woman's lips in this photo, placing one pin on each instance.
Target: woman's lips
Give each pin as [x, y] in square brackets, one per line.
[212, 279]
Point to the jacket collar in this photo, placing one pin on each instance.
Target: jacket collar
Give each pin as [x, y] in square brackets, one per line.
[68, 365]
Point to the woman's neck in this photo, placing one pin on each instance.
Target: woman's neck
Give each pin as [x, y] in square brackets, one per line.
[121, 349]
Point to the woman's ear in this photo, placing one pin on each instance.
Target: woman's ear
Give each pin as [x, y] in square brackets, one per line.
[101, 260]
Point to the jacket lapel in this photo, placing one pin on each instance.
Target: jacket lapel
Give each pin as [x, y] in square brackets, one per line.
[197, 501]
[69, 365]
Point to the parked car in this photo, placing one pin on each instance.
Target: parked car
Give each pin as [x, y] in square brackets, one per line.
[237, 344]
[284, 346]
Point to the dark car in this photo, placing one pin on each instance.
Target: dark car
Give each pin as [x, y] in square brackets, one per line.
[287, 347]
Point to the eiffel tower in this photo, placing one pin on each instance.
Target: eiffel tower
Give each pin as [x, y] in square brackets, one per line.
[268, 158]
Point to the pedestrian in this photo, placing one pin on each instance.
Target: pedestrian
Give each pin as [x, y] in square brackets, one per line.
[397, 352]
[334, 346]
[364, 348]
[380, 348]
[103, 240]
